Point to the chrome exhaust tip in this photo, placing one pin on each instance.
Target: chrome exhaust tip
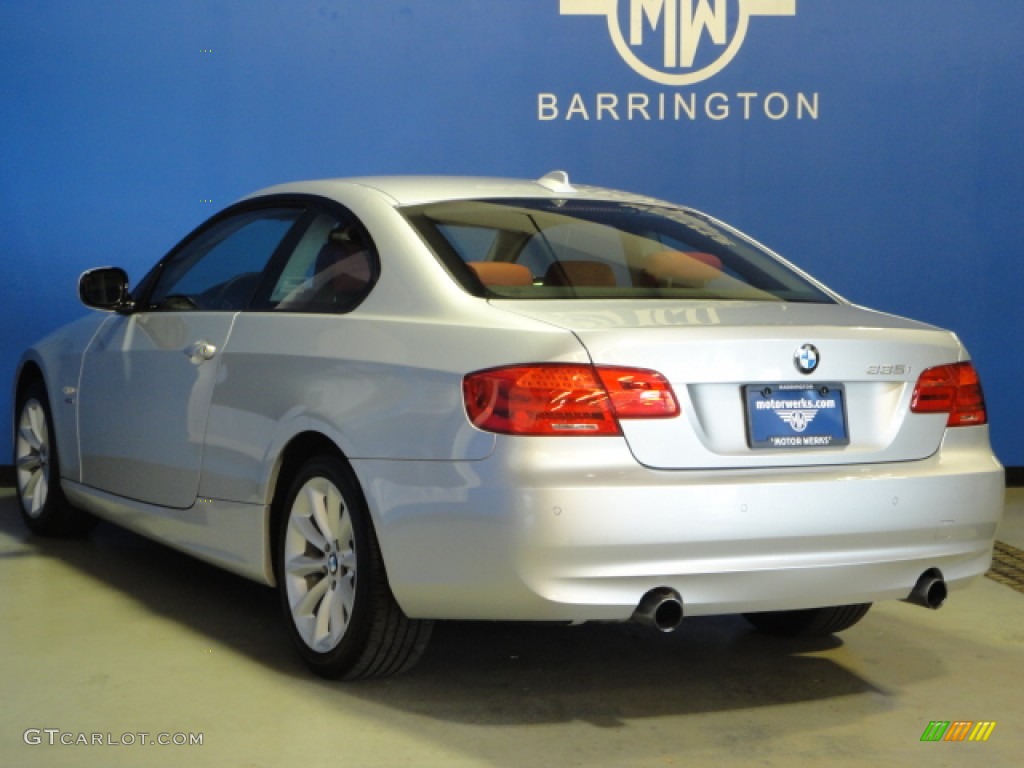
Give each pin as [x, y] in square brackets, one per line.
[661, 608]
[930, 590]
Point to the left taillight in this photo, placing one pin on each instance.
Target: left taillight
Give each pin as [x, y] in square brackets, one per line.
[954, 389]
[555, 399]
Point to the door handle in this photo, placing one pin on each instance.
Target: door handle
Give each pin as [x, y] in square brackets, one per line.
[200, 352]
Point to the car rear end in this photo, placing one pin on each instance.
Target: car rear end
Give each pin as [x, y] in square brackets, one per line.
[899, 484]
[741, 437]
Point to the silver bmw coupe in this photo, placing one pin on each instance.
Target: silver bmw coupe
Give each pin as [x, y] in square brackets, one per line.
[405, 399]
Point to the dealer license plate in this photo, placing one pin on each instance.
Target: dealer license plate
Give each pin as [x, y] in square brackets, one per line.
[792, 416]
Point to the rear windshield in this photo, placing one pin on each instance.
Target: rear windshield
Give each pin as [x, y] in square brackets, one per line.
[563, 249]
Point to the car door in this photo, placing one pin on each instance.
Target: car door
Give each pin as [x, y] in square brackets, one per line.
[148, 377]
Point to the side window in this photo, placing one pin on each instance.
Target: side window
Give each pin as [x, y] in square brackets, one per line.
[221, 269]
[331, 269]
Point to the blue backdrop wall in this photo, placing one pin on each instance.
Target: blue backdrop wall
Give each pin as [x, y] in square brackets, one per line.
[879, 144]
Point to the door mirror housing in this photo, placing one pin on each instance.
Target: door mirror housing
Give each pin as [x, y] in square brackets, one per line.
[105, 288]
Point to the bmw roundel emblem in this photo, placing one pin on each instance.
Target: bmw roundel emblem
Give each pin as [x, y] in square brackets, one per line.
[807, 358]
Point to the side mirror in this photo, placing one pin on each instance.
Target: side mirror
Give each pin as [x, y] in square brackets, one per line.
[105, 288]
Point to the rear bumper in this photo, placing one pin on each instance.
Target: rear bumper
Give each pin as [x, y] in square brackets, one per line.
[548, 530]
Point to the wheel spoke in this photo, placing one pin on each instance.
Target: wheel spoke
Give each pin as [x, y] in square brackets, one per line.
[37, 421]
[34, 493]
[29, 462]
[304, 527]
[29, 435]
[341, 609]
[31, 485]
[335, 511]
[304, 565]
[322, 627]
[346, 594]
[305, 612]
[347, 559]
[313, 508]
[343, 534]
[39, 498]
[325, 506]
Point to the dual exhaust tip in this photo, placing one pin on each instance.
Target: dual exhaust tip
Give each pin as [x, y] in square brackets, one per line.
[930, 590]
[662, 607]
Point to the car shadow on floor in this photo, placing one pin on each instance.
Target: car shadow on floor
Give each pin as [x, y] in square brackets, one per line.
[605, 674]
[237, 613]
[476, 672]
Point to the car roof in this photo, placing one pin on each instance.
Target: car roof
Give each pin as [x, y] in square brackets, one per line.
[416, 190]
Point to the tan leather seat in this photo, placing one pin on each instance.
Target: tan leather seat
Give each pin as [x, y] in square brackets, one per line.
[682, 268]
[501, 273]
[593, 274]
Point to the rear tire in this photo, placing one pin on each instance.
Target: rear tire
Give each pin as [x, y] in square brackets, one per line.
[813, 622]
[338, 607]
[44, 508]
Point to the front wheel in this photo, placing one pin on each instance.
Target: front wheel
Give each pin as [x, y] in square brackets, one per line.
[44, 507]
[339, 609]
[812, 622]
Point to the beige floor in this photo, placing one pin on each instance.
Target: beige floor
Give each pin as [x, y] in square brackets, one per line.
[115, 635]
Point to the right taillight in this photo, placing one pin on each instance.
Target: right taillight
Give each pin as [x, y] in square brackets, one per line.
[954, 389]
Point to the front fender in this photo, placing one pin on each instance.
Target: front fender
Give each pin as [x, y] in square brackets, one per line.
[57, 360]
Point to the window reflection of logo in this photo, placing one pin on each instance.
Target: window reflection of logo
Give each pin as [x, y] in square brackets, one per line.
[798, 420]
[683, 24]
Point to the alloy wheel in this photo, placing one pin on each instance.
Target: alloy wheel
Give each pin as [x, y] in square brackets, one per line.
[32, 458]
[320, 564]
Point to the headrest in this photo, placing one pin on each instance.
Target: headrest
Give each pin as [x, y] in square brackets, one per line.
[330, 253]
[501, 273]
[693, 268]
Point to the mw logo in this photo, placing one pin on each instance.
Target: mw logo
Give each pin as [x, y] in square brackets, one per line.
[682, 25]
